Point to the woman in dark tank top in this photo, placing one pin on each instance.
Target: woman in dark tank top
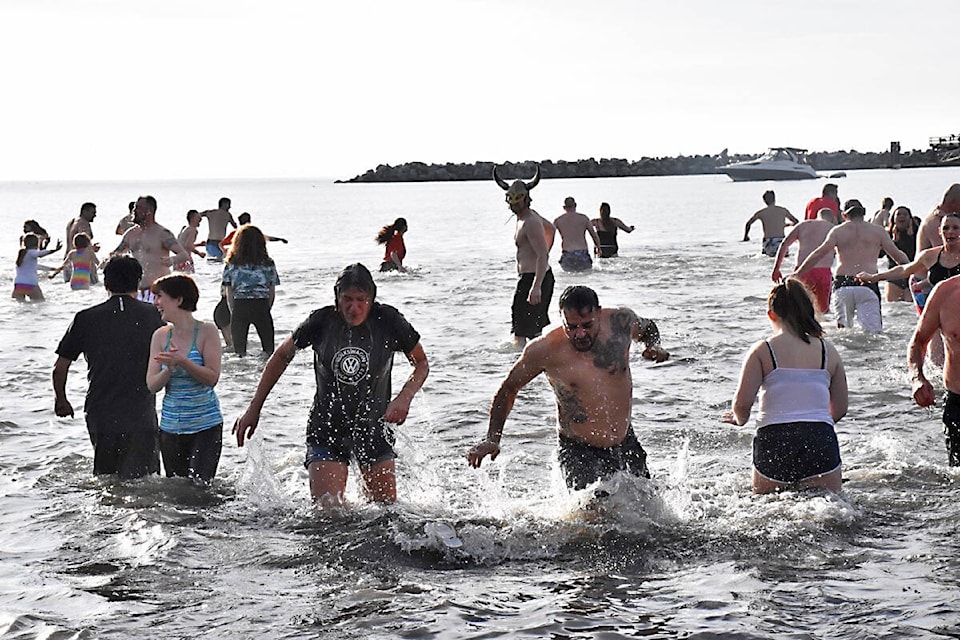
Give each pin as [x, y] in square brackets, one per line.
[606, 227]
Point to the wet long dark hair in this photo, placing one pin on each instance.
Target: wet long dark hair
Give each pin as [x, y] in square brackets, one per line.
[892, 229]
[399, 225]
[791, 302]
[605, 216]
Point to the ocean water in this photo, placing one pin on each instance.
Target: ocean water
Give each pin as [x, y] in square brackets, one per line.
[689, 554]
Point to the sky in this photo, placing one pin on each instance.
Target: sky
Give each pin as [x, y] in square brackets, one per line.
[219, 89]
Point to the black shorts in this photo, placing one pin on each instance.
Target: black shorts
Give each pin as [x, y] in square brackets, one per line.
[369, 443]
[951, 426]
[851, 281]
[127, 454]
[192, 455]
[528, 320]
[221, 314]
[795, 451]
[582, 464]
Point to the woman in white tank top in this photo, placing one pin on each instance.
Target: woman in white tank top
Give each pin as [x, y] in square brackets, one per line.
[802, 385]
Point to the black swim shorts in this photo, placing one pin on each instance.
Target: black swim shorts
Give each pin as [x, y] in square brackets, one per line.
[951, 426]
[128, 454]
[528, 320]
[794, 451]
[582, 464]
[851, 281]
[368, 443]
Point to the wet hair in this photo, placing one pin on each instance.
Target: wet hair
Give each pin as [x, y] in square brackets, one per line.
[791, 302]
[886, 203]
[121, 274]
[892, 225]
[605, 213]
[249, 247]
[769, 197]
[355, 276]
[81, 241]
[191, 213]
[29, 241]
[579, 298]
[244, 218]
[178, 285]
[399, 225]
[223, 203]
[32, 226]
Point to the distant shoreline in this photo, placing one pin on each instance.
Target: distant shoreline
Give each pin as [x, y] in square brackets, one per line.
[616, 167]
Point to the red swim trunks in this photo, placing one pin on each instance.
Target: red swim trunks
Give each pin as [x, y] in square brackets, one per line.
[820, 283]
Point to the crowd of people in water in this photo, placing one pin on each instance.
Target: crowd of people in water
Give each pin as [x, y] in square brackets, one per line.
[145, 339]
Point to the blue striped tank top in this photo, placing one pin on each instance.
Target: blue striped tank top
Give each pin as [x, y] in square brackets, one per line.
[189, 406]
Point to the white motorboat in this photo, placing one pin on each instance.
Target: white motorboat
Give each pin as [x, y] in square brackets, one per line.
[778, 163]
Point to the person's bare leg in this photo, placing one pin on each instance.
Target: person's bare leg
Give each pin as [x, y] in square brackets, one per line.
[328, 480]
[380, 481]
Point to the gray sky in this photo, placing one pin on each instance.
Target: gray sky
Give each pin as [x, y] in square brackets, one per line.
[117, 89]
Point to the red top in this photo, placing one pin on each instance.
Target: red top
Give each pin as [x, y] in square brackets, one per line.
[814, 206]
[395, 245]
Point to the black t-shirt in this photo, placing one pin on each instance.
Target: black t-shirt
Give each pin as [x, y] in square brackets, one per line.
[114, 337]
[353, 365]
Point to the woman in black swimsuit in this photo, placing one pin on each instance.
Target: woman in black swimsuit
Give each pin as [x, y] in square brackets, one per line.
[606, 227]
[940, 263]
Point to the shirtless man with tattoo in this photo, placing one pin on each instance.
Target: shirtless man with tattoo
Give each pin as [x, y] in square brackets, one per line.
[151, 244]
[587, 362]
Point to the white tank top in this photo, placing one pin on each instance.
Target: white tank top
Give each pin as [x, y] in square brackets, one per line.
[795, 395]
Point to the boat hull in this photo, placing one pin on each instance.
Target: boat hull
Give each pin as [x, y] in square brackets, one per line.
[754, 174]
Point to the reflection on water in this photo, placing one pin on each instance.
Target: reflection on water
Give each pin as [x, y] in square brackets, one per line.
[690, 553]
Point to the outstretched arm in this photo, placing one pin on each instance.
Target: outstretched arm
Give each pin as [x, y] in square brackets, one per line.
[528, 367]
[898, 272]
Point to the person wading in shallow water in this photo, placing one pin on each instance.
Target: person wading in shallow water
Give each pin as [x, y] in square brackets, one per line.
[114, 337]
[534, 238]
[587, 362]
[353, 342]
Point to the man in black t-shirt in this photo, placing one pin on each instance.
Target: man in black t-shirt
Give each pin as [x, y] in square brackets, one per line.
[353, 345]
[114, 337]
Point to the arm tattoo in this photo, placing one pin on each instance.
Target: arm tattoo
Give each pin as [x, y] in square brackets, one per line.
[611, 355]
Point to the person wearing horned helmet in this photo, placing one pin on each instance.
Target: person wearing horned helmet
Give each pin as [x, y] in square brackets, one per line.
[533, 237]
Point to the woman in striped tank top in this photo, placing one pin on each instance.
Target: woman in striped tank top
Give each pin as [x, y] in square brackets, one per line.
[185, 363]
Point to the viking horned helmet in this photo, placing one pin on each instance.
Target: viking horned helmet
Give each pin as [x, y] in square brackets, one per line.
[519, 190]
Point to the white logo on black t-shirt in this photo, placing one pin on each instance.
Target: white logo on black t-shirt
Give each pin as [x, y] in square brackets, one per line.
[350, 365]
